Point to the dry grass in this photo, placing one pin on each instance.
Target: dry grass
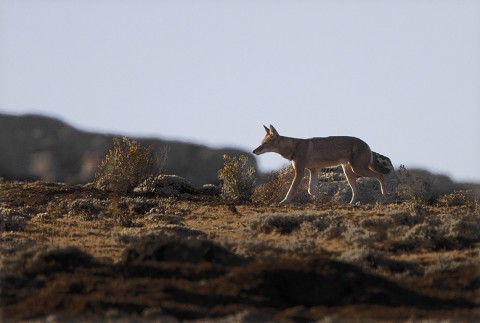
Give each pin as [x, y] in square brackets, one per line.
[12, 220]
[459, 198]
[186, 245]
[277, 185]
[411, 187]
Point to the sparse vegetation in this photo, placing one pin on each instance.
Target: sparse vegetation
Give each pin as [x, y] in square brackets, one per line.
[411, 187]
[88, 209]
[459, 198]
[277, 185]
[238, 178]
[275, 188]
[127, 165]
[12, 220]
[65, 247]
[325, 225]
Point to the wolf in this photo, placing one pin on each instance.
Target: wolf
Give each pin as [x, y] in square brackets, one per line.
[314, 154]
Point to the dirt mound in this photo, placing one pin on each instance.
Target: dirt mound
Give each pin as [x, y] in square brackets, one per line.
[52, 260]
[333, 283]
[183, 250]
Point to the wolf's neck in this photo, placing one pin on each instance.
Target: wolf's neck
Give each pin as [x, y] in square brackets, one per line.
[287, 147]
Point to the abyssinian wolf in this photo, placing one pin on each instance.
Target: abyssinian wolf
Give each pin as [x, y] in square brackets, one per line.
[313, 154]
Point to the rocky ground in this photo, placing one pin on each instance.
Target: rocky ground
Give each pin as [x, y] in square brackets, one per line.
[77, 253]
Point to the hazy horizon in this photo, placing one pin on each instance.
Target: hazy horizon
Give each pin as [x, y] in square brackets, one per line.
[402, 75]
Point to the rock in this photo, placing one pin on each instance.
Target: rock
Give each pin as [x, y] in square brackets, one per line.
[210, 190]
[171, 185]
[180, 250]
[333, 184]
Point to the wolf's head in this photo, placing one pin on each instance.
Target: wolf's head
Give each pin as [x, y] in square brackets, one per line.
[269, 142]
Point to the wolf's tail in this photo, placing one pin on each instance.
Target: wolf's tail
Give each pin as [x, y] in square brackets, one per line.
[381, 164]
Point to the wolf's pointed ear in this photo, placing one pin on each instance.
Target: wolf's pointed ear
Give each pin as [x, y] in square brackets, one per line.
[273, 131]
[267, 130]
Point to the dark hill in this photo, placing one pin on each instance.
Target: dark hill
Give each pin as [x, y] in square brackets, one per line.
[35, 147]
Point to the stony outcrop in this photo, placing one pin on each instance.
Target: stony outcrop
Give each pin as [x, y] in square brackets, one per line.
[334, 186]
[170, 185]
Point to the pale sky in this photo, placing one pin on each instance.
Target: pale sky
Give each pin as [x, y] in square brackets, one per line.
[402, 75]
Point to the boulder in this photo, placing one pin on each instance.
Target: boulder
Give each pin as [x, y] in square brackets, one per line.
[170, 185]
[209, 190]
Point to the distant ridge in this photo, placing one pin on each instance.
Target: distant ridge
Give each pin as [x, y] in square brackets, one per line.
[35, 147]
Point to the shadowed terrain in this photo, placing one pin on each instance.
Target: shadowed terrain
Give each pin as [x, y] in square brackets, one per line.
[75, 252]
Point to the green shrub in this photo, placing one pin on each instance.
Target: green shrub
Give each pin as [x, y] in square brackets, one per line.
[238, 178]
[127, 165]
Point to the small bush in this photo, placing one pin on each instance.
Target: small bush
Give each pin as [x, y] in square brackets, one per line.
[326, 226]
[238, 178]
[277, 185]
[283, 224]
[88, 209]
[462, 232]
[127, 165]
[274, 188]
[411, 187]
[11, 220]
[458, 198]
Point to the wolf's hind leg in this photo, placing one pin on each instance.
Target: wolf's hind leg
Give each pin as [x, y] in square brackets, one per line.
[352, 181]
[367, 172]
[312, 190]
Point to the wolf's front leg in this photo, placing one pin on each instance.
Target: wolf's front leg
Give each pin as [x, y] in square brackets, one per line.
[291, 191]
[296, 181]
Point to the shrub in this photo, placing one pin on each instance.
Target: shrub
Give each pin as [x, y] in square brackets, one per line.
[411, 187]
[238, 178]
[325, 225]
[87, 209]
[127, 165]
[274, 188]
[11, 220]
[277, 185]
[458, 198]
[283, 224]
[463, 231]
